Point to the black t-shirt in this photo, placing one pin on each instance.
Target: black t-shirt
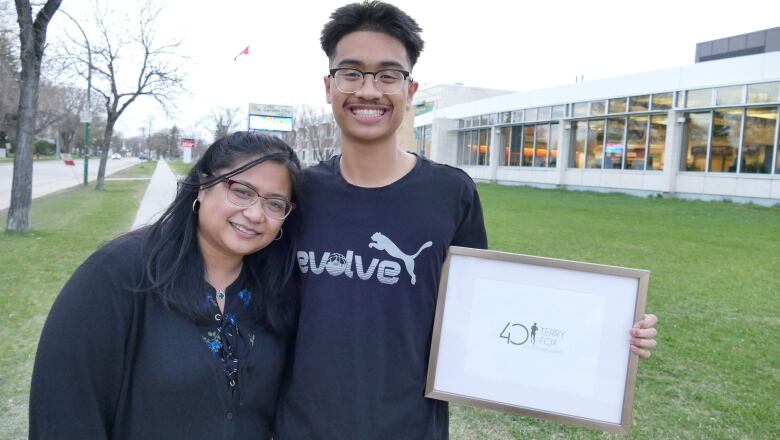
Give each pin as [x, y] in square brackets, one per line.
[370, 261]
[113, 363]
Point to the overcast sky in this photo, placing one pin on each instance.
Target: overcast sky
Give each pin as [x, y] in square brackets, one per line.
[504, 44]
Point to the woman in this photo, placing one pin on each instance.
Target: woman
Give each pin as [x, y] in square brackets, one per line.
[180, 330]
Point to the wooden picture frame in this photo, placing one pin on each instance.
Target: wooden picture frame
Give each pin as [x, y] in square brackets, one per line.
[537, 336]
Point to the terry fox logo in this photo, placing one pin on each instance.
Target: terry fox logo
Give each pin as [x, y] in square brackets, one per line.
[516, 333]
[387, 271]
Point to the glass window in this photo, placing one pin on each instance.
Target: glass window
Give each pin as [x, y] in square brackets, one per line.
[697, 129]
[617, 105]
[662, 101]
[613, 149]
[595, 151]
[726, 127]
[544, 113]
[698, 98]
[483, 120]
[427, 138]
[580, 130]
[483, 158]
[530, 114]
[506, 117]
[765, 92]
[540, 152]
[528, 145]
[475, 146]
[517, 146]
[639, 103]
[580, 109]
[758, 140]
[467, 123]
[636, 142]
[461, 123]
[423, 136]
[517, 116]
[558, 112]
[553, 145]
[655, 158]
[728, 95]
[506, 140]
[597, 108]
[462, 147]
[465, 147]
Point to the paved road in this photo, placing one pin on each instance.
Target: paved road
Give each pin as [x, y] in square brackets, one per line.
[53, 175]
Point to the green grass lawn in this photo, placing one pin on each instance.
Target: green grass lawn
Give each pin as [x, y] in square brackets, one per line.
[143, 170]
[66, 228]
[10, 159]
[714, 284]
[180, 168]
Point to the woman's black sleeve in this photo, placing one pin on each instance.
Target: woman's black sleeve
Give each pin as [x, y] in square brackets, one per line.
[80, 363]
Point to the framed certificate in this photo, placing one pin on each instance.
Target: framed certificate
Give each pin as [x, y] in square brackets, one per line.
[537, 336]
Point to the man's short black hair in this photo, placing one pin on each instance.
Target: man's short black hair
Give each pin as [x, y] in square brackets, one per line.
[372, 16]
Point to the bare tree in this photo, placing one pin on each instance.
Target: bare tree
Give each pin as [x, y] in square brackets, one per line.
[32, 36]
[223, 121]
[69, 125]
[159, 141]
[127, 65]
[174, 135]
[316, 136]
[9, 81]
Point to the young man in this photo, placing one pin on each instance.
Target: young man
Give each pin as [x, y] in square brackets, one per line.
[377, 225]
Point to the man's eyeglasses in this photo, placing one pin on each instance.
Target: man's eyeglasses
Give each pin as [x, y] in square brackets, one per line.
[244, 196]
[387, 81]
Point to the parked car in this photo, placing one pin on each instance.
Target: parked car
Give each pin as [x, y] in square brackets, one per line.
[116, 156]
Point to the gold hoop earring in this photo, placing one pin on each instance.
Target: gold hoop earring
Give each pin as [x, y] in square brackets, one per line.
[281, 231]
[195, 206]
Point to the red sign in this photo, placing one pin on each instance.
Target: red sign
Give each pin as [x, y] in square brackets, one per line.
[187, 143]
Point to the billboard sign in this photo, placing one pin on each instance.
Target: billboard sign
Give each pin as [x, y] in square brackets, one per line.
[271, 110]
[270, 117]
[270, 123]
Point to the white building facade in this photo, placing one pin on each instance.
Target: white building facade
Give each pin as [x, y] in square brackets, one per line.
[706, 131]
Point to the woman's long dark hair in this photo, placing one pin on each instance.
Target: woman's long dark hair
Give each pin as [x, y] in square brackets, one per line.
[173, 263]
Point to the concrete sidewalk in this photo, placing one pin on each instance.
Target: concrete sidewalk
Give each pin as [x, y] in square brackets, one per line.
[159, 194]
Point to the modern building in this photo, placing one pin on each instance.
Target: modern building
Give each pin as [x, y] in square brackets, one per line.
[739, 45]
[708, 130]
[431, 99]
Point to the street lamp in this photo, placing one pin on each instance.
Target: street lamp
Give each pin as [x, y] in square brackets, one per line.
[86, 115]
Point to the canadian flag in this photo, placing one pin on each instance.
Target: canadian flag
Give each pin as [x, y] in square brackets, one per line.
[243, 52]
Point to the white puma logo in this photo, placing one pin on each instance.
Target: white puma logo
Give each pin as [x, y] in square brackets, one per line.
[383, 243]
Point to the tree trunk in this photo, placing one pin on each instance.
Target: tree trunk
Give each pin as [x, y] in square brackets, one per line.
[21, 186]
[32, 36]
[107, 135]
